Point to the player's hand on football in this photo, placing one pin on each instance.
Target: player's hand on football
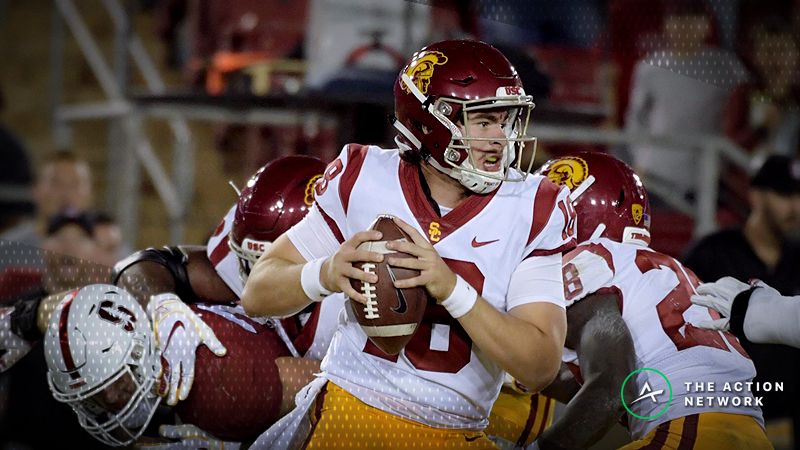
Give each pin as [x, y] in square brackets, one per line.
[188, 437]
[12, 347]
[337, 271]
[178, 332]
[718, 296]
[434, 274]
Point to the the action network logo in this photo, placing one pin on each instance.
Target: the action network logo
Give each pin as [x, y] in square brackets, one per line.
[647, 394]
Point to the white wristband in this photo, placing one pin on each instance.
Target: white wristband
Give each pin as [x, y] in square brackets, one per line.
[309, 280]
[461, 300]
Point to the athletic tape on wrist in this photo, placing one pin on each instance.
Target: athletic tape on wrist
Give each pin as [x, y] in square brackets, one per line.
[461, 300]
[309, 280]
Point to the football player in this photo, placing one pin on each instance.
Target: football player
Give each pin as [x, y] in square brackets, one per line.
[104, 360]
[756, 311]
[629, 343]
[487, 238]
[273, 200]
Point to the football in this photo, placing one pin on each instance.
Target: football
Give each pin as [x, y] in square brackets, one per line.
[391, 316]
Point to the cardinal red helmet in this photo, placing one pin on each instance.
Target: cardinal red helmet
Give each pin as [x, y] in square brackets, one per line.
[609, 198]
[436, 90]
[275, 198]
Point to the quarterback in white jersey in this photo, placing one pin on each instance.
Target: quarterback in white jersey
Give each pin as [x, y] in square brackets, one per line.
[487, 240]
[441, 348]
[629, 338]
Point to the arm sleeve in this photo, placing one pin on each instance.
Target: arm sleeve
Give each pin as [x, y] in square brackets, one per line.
[321, 232]
[589, 269]
[332, 191]
[312, 236]
[772, 318]
[553, 224]
[537, 280]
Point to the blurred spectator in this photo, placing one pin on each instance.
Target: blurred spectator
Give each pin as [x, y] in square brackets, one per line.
[64, 184]
[680, 91]
[16, 199]
[71, 252]
[764, 115]
[108, 240]
[768, 248]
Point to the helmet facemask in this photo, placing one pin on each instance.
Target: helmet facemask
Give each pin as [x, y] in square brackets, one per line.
[247, 254]
[125, 426]
[102, 362]
[459, 155]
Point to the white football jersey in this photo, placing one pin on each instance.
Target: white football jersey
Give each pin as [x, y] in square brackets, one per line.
[222, 258]
[316, 328]
[654, 291]
[440, 378]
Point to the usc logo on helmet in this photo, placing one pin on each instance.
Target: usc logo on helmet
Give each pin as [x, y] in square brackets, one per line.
[569, 171]
[309, 197]
[421, 68]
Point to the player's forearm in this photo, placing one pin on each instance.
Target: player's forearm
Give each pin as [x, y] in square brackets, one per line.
[772, 318]
[587, 417]
[564, 387]
[273, 289]
[143, 279]
[528, 353]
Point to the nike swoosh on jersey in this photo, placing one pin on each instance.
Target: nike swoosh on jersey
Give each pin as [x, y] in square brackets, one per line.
[476, 243]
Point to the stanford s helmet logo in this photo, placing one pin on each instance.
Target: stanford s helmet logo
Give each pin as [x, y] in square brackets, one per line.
[118, 315]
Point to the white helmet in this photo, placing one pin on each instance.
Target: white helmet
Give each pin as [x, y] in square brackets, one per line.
[100, 337]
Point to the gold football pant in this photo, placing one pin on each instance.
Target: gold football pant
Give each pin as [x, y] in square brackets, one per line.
[520, 418]
[341, 421]
[705, 431]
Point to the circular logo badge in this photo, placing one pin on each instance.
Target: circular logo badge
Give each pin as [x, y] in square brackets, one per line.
[647, 394]
[569, 172]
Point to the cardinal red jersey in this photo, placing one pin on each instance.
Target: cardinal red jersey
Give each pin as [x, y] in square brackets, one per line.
[236, 396]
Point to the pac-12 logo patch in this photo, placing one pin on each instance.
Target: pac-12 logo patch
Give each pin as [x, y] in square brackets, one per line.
[569, 171]
[637, 211]
[421, 68]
